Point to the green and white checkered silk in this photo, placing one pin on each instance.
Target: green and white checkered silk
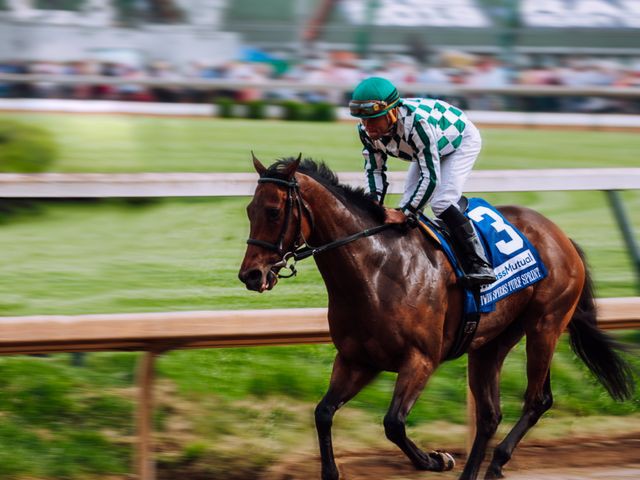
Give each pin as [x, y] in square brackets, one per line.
[447, 122]
[427, 129]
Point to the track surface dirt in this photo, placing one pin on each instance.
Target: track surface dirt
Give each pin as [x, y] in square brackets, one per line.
[603, 458]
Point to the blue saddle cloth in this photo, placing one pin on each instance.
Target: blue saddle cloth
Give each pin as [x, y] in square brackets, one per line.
[515, 261]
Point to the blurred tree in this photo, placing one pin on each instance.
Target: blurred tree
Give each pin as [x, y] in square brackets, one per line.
[25, 148]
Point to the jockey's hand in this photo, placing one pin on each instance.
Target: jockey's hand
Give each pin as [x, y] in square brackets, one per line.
[394, 216]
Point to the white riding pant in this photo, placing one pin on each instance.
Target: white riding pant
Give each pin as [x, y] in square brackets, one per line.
[455, 168]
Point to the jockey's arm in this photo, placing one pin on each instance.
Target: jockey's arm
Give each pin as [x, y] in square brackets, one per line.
[375, 168]
[423, 174]
[376, 181]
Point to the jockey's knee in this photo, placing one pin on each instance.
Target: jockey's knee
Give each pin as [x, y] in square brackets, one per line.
[440, 204]
[438, 207]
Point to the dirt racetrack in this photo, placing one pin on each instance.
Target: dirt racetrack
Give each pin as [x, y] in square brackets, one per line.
[603, 458]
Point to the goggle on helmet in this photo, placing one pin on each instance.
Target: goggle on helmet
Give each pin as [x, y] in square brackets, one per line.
[370, 108]
[373, 97]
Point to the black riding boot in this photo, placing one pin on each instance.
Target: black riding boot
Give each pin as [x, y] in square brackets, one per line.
[477, 269]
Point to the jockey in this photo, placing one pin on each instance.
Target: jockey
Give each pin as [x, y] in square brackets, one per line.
[442, 145]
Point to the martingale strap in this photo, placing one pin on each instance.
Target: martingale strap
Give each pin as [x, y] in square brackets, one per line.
[307, 251]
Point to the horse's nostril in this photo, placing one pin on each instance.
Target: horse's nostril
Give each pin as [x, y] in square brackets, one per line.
[254, 275]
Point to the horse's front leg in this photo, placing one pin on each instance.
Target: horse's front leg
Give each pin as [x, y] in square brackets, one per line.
[412, 378]
[347, 380]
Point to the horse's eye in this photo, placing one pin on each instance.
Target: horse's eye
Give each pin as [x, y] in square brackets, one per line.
[273, 213]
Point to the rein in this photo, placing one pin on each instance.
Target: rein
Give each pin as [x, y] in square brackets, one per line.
[301, 248]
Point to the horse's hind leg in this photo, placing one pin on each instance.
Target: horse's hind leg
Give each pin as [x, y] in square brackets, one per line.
[412, 378]
[484, 365]
[538, 398]
[346, 381]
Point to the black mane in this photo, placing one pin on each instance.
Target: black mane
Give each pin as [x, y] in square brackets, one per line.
[320, 172]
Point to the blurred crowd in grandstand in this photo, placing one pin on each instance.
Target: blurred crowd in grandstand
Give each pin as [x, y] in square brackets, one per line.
[341, 69]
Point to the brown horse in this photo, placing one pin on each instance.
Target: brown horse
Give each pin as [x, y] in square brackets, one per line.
[395, 305]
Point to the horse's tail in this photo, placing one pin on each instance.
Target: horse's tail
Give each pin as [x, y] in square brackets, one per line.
[597, 349]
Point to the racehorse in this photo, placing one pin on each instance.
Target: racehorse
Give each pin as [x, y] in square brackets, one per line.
[395, 305]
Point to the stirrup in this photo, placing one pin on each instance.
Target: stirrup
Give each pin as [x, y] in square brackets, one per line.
[478, 278]
[472, 279]
[478, 273]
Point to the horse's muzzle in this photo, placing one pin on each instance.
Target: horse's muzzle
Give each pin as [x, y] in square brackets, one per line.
[258, 280]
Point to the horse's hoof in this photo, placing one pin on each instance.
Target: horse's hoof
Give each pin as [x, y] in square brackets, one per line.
[446, 460]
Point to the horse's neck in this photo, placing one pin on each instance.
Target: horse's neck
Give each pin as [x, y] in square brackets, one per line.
[343, 268]
[332, 219]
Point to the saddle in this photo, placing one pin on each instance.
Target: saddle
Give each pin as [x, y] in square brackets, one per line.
[515, 261]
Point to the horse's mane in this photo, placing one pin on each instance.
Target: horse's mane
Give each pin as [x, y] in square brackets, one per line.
[321, 173]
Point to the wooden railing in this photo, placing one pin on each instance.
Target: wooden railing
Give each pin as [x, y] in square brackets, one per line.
[164, 331]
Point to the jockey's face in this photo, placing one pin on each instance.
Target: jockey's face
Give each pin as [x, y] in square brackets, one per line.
[379, 127]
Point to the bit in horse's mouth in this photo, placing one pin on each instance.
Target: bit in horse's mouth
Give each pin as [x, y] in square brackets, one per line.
[270, 281]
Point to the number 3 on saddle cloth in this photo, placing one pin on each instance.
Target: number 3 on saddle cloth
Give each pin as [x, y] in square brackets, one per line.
[515, 261]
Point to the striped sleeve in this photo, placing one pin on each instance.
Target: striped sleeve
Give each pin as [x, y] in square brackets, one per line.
[375, 167]
[419, 191]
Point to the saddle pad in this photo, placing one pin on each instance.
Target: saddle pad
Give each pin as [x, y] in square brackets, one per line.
[515, 261]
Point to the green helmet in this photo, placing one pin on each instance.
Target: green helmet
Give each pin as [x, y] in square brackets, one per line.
[373, 97]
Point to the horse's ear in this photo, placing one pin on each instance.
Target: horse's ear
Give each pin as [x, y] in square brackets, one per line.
[261, 169]
[292, 167]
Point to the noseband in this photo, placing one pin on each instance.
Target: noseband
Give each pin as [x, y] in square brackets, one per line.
[300, 248]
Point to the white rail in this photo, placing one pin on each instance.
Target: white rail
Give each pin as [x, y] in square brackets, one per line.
[99, 185]
[480, 117]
